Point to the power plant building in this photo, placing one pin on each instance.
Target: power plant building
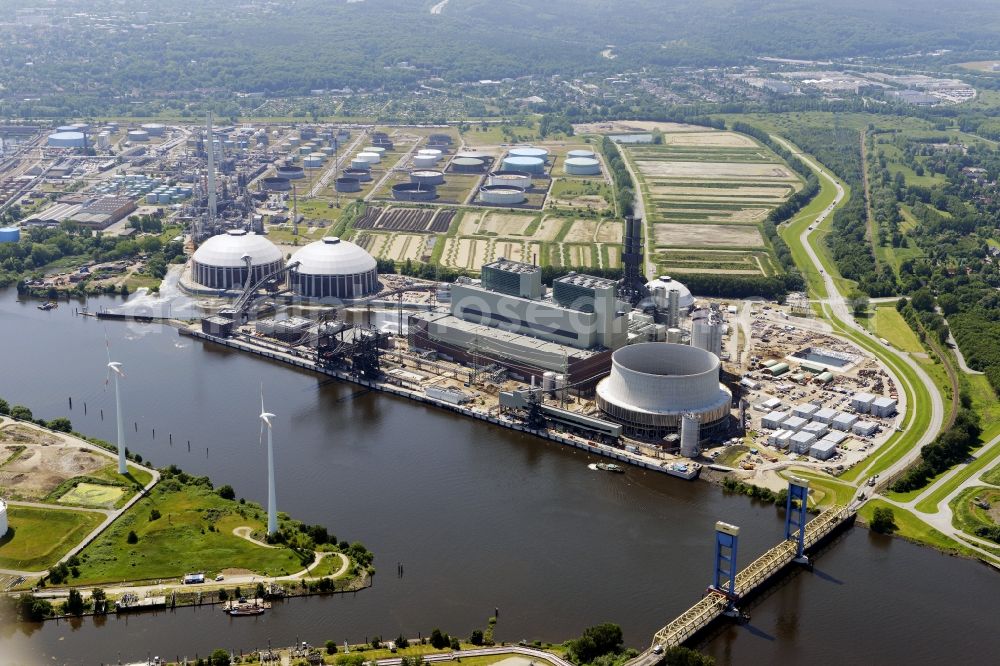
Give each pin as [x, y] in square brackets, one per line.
[653, 385]
[221, 261]
[507, 319]
[333, 268]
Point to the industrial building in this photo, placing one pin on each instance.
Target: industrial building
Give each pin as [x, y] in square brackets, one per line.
[104, 211]
[883, 407]
[333, 268]
[507, 318]
[221, 261]
[653, 385]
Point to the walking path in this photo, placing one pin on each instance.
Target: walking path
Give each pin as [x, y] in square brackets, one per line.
[111, 514]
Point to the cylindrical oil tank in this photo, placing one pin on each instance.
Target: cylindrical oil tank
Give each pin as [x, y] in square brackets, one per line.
[581, 153]
[294, 142]
[138, 135]
[674, 335]
[362, 165]
[81, 127]
[385, 144]
[67, 128]
[154, 129]
[370, 157]
[10, 234]
[660, 333]
[363, 175]
[430, 152]
[347, 184]
[468, 165]
[549, 382]
[582, 166]
[530, 164]
[414, 192]
[690, 436]
[428, 177]
[311, 162]
[443, 139]
[530, 151]
[277, 184]
[521, 179]
[423, 161]
[290, 172]
[379, 150]
[305, 150]
[67, 140]
[501, 195]
[151, 198]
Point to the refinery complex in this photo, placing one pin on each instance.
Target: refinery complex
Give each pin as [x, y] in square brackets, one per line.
[633, 366]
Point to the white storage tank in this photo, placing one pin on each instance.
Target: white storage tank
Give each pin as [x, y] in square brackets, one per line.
[423, 161]
[430, 152]
[154, 129]
[530, 164]
[370, 157]
[582, 166]
[358, 163]
[521, 179]
[581, 153]
[549, 382]
[501, 195]
[530, 151]
[138, 135]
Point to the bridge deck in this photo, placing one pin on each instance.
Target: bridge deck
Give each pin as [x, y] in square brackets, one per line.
[757, 572]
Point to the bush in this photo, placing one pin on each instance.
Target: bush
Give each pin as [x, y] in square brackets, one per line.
[331, 647]
[132, 537]
[477, 637]
[438, 640]
[227, 492]
[596, 641]
[884, 521]
[154, 515]
[21, 413]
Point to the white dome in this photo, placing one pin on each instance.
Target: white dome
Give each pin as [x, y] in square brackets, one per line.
[227, 250]
[333, 256]
[684, 297]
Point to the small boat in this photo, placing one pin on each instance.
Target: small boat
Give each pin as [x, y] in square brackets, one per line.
[48, 306]
[244, 607]
[611, 467]
[249, 609]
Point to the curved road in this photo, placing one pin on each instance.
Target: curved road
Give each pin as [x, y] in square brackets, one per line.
[838, 310]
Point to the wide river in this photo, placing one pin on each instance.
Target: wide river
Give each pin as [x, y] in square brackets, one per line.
[480, 518]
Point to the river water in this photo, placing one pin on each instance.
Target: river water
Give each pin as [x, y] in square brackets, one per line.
[479, 517]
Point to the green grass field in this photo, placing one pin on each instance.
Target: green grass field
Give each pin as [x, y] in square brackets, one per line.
[93, 494]
[827, 490]
[984, 461]
[38, 538]
[966, 515]
[194, 533]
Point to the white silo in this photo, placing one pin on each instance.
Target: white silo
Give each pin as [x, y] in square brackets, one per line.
[673, 308]
[690, 436]
[560, 386]
[674, 335]
[706, 332]
[549, 382]
[3, 519]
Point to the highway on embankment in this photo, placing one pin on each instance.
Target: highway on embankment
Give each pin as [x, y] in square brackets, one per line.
[889, 461]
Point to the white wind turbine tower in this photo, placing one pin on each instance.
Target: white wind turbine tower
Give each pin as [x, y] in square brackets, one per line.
[114, 367]
[272, 505]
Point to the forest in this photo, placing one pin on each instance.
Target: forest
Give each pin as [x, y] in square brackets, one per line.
[97, 48]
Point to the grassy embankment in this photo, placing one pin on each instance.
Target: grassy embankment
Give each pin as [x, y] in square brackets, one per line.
[194, 532]
[914, 529]
[38, 538]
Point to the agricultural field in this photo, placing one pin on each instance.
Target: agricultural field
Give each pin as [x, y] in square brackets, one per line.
[706, 194]
[39, 537]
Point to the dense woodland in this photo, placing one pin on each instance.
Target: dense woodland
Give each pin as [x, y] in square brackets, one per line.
[105, 51]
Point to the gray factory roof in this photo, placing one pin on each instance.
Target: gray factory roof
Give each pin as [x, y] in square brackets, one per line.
[589, 281]
[483, 331]
[512, 266]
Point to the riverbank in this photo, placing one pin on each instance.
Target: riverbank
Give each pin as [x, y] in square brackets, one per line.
[687, 470]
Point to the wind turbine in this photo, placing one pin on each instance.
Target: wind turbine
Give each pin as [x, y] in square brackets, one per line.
[114, 367]
[272, 508]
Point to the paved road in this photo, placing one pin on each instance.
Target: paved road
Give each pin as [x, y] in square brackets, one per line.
[484, 652]
[839, 310]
